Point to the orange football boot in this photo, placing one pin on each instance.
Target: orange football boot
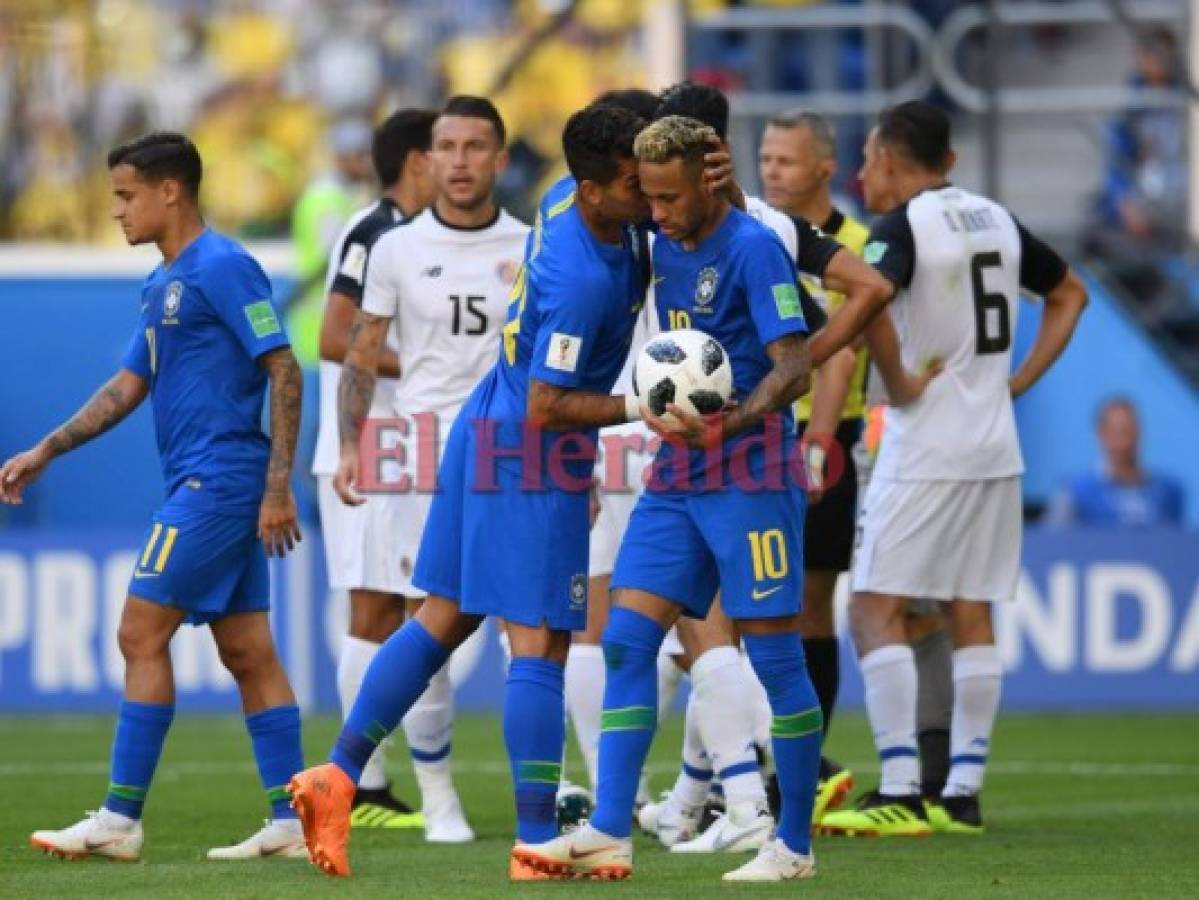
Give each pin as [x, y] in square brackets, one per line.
[323, 797]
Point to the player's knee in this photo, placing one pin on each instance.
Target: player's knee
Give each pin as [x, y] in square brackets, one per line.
[875, 621]
[374, 616]
[137, 643]
[245, 660]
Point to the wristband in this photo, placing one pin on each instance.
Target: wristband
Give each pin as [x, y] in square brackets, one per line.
[632, 408]
[815, 457]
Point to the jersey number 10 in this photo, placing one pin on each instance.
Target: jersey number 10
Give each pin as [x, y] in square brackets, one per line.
[992, 324]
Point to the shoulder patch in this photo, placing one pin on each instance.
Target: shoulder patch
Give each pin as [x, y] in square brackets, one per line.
[563, 352]
[353, 264]
[786, 301]
[874, 251]
[262, 318]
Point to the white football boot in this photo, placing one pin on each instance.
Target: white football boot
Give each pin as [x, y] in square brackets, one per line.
[775, 862]
[280, 838]
[100, 834]
[670, 821]
[746, 826]
[584, 852]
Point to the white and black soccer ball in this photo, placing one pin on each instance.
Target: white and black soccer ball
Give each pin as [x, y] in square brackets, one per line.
[685, 367]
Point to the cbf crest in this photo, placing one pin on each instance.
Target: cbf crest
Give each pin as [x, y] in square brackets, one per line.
[578, 592]
[705, 290]
[171, 302]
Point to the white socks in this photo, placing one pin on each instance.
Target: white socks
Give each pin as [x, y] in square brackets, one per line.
[720, 686]
[890, 676]
[585, 676]
[691, 787]
[428, 726]
[356, 656]
[669, 677]
[977, 675]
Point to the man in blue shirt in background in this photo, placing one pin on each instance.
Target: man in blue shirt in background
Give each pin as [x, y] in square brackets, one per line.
[207, 342]
[1121, 493]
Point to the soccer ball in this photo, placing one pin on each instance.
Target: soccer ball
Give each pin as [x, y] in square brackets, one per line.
[574, 805]
[687, 368]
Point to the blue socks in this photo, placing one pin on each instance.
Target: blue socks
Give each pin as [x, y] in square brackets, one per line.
[535, 735]
[631, 643]
[395, 679]
[275, 734]
[796, 730]
[136, 746]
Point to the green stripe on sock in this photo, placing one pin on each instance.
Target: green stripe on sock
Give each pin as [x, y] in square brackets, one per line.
[276, 794]
[798, 724]
[642, 718]
[127, 792]
[375, 733]
[543, 772]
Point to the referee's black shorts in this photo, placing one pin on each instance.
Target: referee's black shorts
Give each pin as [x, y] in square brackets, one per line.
[829, 526]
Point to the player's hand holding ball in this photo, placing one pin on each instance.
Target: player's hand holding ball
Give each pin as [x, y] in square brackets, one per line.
[684, 382]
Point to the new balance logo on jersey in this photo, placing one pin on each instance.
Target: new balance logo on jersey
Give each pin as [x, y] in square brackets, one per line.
[431, 272]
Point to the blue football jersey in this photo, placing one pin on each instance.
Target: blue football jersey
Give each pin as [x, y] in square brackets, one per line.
[205, 320]
[740, 287]
[571, 315]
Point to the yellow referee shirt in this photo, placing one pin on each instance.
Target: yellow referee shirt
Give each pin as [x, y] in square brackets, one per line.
[850, 233]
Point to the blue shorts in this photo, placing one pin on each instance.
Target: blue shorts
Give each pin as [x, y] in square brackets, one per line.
[210, 565]
[512, 552]
[687, 545]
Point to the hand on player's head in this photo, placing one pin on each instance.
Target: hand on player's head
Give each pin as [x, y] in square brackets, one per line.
[718, 167]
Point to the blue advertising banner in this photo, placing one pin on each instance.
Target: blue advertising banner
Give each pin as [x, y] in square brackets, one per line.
[1103, 620]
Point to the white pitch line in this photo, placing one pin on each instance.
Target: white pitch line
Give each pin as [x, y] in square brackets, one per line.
[500, 767]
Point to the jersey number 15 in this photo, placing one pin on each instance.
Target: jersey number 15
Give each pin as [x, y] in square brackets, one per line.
[472, 303]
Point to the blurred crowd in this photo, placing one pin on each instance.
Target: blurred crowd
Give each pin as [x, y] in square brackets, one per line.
[261, 86]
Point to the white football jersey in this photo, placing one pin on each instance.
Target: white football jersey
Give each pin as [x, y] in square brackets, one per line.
[345, 274]
[959, 261]
[447, 290]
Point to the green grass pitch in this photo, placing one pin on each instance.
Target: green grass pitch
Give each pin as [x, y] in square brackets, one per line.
[1077, 806]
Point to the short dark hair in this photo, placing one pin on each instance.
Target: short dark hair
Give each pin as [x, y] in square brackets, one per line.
[696, 101]
[636, 100]
[597, 139]
[919, 131]
[160, 155]
[398, 135]
[473, 107]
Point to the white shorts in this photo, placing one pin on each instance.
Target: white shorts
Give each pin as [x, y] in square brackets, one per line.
[940, 540]
[621, 484]
[372, 547]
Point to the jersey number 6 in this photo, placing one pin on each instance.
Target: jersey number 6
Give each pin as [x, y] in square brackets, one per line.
[992, 324]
